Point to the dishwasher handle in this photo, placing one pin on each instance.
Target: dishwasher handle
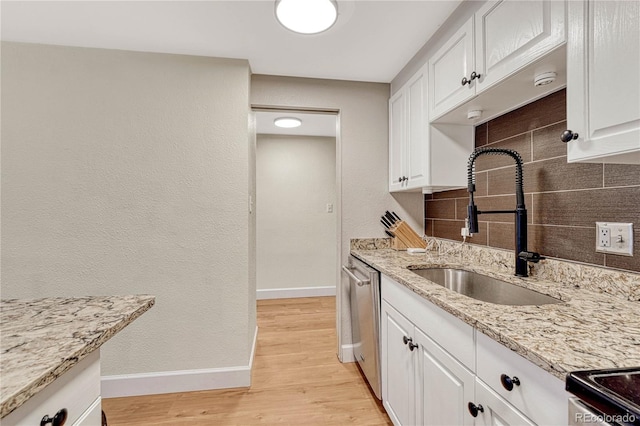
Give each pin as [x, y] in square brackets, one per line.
[352, 276]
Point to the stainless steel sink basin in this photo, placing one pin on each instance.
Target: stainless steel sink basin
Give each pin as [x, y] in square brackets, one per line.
[484, 288]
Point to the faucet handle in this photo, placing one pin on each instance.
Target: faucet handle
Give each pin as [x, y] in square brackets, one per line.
[530, 256]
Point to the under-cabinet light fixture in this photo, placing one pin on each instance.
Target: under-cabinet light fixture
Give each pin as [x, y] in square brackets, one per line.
[544, 78]
[308, 16]
[287, 122]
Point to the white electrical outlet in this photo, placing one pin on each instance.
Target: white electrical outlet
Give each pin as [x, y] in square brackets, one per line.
[604, 237]
[614, 238]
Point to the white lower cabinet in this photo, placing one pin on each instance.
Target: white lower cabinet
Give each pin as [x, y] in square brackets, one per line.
[77, 391]
[398, 395]
[437, 370]
[444, 386]
[495, 411]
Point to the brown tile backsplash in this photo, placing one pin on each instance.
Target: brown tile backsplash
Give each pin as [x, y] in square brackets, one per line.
[621, 174]
[563, 200]
[500, 202]
[520, 143]
[558, 175]
[545, 142]
[503, 181]
[566, 242]
[441, 209]
[450, 229]
[584, 208]
[535, 115]
[454, 193]
[501, 235]
[481, 135]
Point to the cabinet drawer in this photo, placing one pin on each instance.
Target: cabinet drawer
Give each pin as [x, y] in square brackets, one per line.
[76, 390]
[540, 396]
[496, 411]
[451, 333]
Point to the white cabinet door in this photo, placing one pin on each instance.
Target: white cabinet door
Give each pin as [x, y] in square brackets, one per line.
[603, 88]
[495, 410]
[409, 135]
[445, 387]
[397, 128]
[510, 34]
[447, 67]
[398, 367]
[417, 140]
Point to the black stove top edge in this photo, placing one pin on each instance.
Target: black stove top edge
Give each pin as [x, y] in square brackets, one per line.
[581, 385]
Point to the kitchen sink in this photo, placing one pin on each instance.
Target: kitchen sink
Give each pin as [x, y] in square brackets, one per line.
[484, 288]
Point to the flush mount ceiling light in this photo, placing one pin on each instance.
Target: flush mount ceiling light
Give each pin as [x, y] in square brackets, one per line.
[287, 122]
[544, 78]
[307, 16]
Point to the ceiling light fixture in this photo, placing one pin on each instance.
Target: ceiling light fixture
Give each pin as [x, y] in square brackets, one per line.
[287, 122]
[307, 16]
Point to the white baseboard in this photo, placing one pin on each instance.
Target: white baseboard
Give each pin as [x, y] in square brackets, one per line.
[179, 381]
[289, 293]
[346, 353]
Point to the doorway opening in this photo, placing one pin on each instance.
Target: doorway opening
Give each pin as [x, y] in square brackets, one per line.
[297, 204]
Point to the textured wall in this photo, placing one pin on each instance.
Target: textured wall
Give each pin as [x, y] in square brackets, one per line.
[124, 173]
[563, 200]
[296, 236]
[362, 156]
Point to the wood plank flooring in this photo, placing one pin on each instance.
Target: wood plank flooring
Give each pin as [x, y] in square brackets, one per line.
[297, 380]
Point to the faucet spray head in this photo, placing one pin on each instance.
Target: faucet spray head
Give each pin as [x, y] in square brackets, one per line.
[472, 218]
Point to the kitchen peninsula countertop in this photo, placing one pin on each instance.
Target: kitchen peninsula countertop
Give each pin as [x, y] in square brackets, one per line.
[588, 330]
[44, 338]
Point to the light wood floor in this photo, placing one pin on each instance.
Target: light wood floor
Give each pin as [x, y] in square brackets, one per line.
[297, 380]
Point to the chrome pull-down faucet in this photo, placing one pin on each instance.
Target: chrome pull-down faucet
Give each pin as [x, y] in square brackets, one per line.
[522, 255]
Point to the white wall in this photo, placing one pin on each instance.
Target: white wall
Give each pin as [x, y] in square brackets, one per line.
[296, 237]
[127, 172]
[362, 158]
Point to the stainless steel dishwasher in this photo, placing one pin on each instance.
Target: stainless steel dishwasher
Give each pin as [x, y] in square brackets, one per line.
[364, 288]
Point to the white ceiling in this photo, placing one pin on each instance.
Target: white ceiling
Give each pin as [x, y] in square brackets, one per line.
[312, 124]
[371, 41]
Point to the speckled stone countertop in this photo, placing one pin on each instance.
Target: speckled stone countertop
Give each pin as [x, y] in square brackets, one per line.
[590, 329]
[44, 338]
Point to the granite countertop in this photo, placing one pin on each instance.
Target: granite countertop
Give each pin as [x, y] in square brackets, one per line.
[44, 338]
[590, 329]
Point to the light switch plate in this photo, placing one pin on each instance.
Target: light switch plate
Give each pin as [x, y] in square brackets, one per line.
[614, 238]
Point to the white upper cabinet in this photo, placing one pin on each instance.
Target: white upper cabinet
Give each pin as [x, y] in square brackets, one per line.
[422, 157]
[506, 42]
[603, 84]
[397, 129]
[409, 135]
[447, 67]
[511, 34]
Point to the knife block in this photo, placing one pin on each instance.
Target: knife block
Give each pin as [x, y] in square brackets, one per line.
[405, 237]
[397, 244]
